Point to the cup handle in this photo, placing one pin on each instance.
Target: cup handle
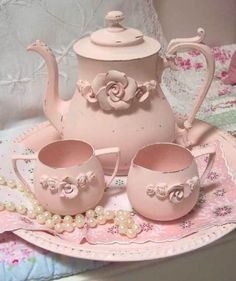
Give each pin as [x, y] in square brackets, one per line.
[14, 159]
[211, 151]
[110, 150]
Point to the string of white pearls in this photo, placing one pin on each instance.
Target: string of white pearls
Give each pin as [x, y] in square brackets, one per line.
[126, 224]
[92, 218]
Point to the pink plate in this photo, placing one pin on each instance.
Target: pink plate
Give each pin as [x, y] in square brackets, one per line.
[200, 133]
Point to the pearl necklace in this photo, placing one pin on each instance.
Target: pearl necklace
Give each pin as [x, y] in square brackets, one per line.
[92, 218]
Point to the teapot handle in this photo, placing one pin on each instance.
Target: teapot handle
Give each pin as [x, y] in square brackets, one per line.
[184, 44]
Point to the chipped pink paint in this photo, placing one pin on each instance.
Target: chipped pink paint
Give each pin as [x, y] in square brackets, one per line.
[115, 66]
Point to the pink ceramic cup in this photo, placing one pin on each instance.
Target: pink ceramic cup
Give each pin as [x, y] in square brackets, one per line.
[68, 177]
[163, 180]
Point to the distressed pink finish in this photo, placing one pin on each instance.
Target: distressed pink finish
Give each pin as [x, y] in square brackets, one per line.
[163, 180]
[118, 92]
[68, 177]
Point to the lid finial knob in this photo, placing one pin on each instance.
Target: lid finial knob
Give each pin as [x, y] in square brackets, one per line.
[114, 18]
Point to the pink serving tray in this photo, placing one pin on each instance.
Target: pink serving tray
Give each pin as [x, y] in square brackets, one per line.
[201, 133]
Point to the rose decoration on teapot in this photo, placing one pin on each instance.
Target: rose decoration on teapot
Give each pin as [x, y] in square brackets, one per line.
[114, 90]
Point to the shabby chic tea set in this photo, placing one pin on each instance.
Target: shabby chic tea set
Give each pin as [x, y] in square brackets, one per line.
[119, 111]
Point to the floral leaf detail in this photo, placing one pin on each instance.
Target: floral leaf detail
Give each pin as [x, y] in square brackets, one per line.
[161, 191]
[49, 183]
[151, 190]
[43, 181]
[90, 176]
[82, 181]
[52, 184]
[85, 88]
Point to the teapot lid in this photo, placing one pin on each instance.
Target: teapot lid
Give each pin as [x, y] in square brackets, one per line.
[116, 42]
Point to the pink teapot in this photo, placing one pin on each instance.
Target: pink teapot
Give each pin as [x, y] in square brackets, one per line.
[118, 100]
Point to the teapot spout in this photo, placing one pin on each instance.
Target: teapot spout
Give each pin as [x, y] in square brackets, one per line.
[54, 107]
